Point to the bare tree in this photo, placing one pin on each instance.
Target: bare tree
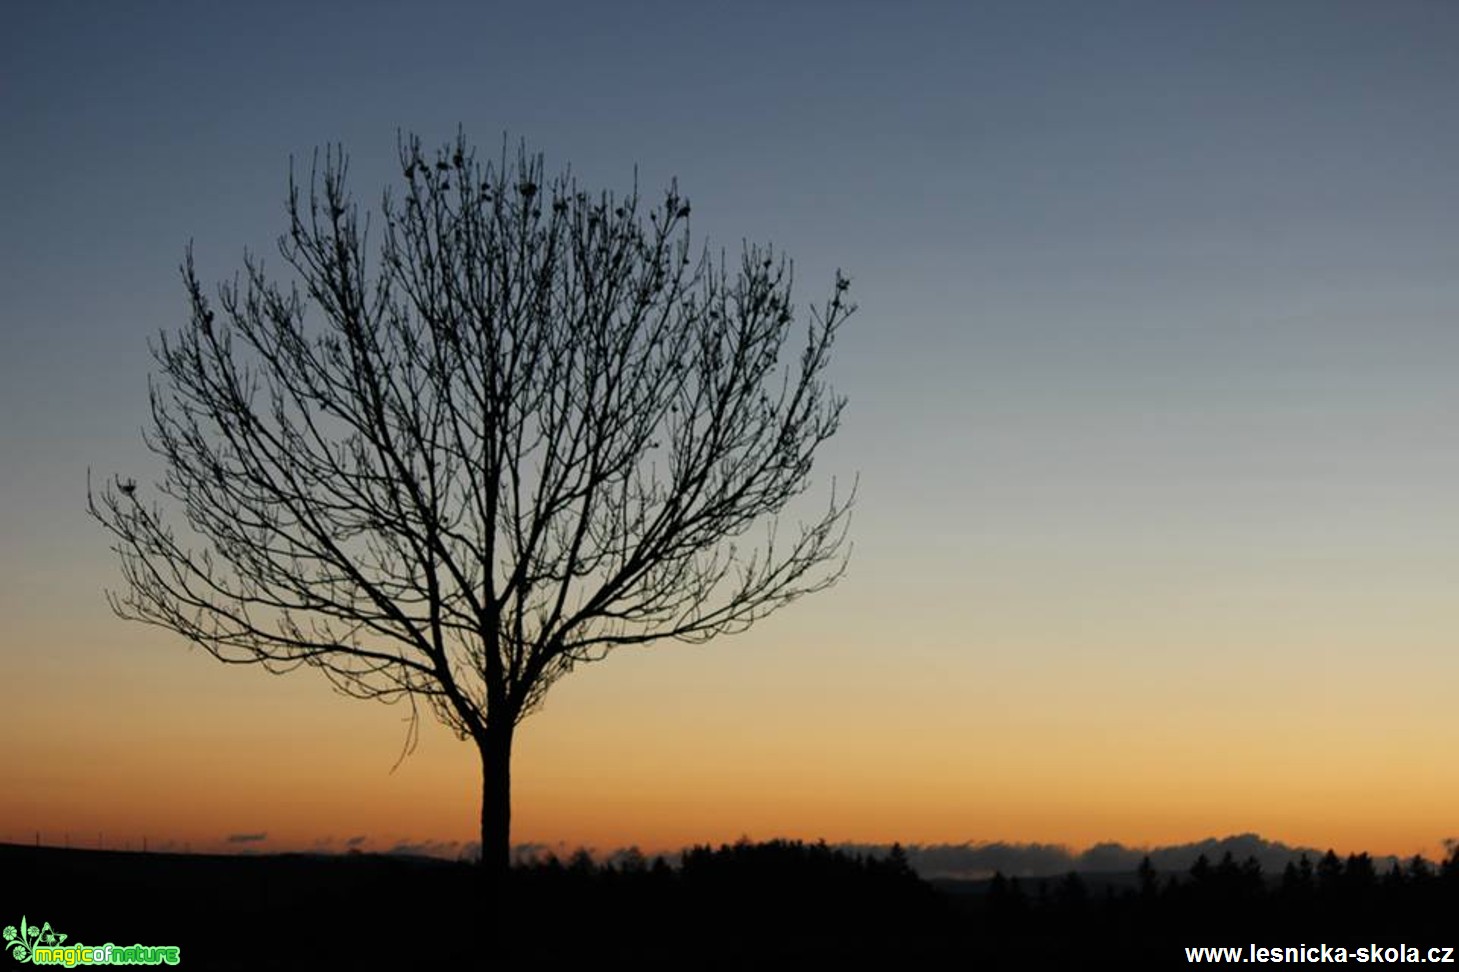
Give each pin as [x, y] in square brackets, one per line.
[534, 428]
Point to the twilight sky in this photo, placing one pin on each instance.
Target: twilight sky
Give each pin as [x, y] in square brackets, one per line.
[1152, 396]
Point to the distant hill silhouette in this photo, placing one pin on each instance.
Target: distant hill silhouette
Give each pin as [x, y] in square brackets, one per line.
[979, 860]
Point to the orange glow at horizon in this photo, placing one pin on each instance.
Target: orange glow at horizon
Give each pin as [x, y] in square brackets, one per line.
[669, 748]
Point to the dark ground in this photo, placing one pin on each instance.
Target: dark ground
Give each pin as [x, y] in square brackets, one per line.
[763, 906]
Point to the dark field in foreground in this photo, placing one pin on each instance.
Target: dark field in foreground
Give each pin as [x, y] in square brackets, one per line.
[747, 906]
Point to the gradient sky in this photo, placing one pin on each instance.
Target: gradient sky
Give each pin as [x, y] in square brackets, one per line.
[1153, 392]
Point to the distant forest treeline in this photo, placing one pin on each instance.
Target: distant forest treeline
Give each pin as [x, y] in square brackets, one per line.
[814, 900]
[811, 899]
[982, 859]
[778, 904]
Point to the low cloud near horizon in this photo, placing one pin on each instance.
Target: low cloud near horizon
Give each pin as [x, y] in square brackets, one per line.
[429, 848]
[247, 838]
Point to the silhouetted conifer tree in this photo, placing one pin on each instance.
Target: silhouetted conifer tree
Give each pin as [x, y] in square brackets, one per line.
[1329, 874]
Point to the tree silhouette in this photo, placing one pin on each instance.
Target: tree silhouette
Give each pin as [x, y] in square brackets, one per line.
[537, 426]
[1149, 880]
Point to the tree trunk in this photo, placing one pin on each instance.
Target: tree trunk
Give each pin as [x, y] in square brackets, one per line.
[495, 744]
